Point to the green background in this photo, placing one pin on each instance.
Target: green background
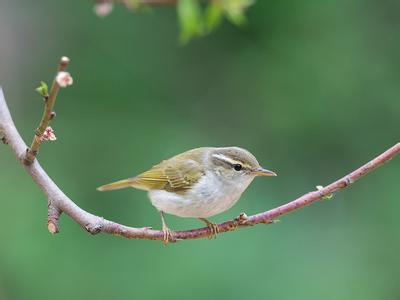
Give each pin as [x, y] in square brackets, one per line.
[310, 87]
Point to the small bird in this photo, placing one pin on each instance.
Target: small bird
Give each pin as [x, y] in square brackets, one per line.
[198, 183]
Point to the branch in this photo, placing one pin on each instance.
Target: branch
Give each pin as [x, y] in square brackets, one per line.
[48, 114]
[158, 2]
[104, 7]
[134, 4]
[144, 2]
[58, 202]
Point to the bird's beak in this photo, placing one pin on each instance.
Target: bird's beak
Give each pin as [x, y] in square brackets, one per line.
[263, 172]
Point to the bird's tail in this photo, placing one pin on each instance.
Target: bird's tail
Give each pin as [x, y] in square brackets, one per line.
[117, 185]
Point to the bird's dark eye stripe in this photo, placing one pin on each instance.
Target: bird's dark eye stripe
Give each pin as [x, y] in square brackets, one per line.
[237, 167]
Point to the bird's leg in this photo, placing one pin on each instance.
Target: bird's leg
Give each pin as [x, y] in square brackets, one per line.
[213, 227]
[168, 233]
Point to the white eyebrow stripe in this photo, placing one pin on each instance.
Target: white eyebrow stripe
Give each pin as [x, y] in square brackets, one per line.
[225, 159]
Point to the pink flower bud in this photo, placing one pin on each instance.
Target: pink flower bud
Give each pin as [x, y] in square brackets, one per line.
[64, 79]
[49, 135]
[103, 9]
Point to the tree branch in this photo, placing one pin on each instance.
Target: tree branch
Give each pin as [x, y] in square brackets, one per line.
[58, 202]
[158, 2]
[130, 3]
[48, 114]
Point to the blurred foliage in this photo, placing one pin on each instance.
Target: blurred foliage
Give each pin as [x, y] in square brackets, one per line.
[310, 87]
[195, 21]
[190, 17]
[196, 17]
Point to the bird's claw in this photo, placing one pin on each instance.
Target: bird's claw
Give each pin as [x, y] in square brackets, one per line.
[169, 235]
[213, 228]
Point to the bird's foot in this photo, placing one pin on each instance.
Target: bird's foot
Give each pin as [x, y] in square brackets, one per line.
[169, 235]
[212, 226]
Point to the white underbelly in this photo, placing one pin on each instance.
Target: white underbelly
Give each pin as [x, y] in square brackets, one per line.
[207, 198]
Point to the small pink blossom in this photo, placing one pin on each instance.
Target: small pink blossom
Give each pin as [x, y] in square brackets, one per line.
[49, 135]
[64, 79]
[103, 9]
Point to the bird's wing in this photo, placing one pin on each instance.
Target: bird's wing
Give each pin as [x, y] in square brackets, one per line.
[172, 175]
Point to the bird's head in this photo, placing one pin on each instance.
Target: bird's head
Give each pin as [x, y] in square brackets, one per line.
[234, 163]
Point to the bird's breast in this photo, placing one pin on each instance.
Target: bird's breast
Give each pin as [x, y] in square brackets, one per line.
[211, 195]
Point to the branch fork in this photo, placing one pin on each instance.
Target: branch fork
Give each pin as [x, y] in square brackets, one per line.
[59, 203]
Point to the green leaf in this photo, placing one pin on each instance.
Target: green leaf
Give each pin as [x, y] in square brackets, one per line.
[236, 17]
[194, 21]
[190, 19]
[43, 89]
[213, 16]
[234, 10]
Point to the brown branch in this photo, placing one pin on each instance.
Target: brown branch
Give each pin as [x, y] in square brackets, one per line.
[132, 4]
[158, 2]
[59, 202]
[48, 114]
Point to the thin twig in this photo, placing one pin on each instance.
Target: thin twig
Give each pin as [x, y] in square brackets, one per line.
[48, 115]
[134, 4]
[95, 224]
[158, 2]
[146, 2]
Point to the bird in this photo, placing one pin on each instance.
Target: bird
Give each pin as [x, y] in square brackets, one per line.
[198, 183]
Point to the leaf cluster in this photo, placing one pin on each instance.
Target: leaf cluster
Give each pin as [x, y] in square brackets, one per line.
[198, 19]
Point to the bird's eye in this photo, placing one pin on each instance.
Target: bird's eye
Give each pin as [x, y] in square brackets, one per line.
[237, 167]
